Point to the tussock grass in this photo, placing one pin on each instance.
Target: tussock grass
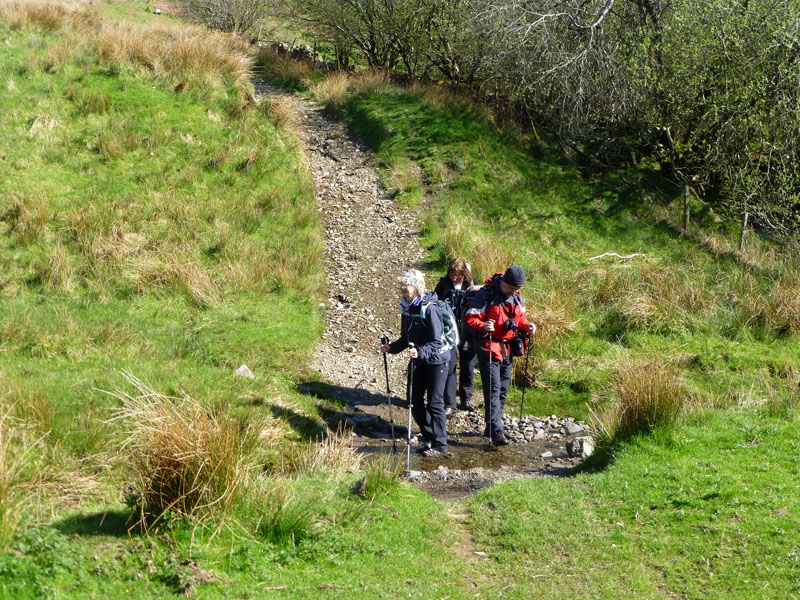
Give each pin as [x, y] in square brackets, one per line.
[648, 393]
[286, 514]
[332, 89]
[463, 238]
[279, 112]
[192, 57]
[28, 217]
[182, 458]
[783, 308]
[175, 267]
[49, 14]
[333, 456]
[15, 465]
[381, 476]
[294, 73]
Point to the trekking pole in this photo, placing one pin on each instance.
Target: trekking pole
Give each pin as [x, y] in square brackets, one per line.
[410, 390]
[489, 401]
[527, 356]
[385, 341]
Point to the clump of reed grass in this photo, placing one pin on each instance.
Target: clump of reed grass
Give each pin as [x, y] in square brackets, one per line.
[192, 57]
[16, 466]
[462, 239]
[381, 477]
[333, 456]
[48, 14]
[28, 218]
[278, 111]
[332, 88]
[182, 458]
[177, 268]
[648, 393]
[297, 73]
[783, 309]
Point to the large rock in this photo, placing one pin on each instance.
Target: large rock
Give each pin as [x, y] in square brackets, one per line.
[580, 447]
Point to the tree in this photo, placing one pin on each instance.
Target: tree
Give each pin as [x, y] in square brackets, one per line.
[234, 16]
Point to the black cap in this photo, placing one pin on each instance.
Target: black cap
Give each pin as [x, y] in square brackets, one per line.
[514, 276]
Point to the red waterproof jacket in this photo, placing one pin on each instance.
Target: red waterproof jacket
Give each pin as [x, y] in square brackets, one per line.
[489, 303]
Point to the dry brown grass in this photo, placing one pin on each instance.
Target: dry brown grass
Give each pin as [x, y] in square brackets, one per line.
[182, 458]
[193, 58]
[648, 296]
[783, 308]
[49, 14]
[16, 458]
[28, 218]
[283, 67]
[332, 88]
[334, 456]
[279, 111]
[484, 254]
[649, 393]
[367, 81]
[176, 267]
[190, 56]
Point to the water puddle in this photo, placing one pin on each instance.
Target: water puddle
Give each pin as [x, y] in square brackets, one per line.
[471, 450]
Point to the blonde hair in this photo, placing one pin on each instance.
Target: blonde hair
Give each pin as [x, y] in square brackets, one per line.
[415, 278]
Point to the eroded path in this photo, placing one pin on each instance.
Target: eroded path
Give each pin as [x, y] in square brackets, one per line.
[370, 241]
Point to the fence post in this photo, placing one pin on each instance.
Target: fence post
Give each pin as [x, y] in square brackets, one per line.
[743, 230]
[686, 208]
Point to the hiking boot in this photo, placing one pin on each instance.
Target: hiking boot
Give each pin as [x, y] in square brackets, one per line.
[449, 412]
[468, 405]
[499, 439]
[423, 449]
[431, 452]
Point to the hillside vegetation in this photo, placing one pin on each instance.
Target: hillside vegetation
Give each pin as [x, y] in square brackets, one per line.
[158, 229]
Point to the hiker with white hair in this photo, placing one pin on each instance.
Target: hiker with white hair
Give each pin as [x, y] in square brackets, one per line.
[421, 337]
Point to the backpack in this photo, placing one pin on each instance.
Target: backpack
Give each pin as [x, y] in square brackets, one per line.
[450, 335]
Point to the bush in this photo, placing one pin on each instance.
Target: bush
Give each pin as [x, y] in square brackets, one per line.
[233, 16]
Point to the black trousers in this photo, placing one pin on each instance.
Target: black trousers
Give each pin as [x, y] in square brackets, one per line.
[429, 416]
[465, 359]
[495, 379]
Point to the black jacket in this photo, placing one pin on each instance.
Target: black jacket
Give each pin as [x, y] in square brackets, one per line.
[425, 334]
[455, 298]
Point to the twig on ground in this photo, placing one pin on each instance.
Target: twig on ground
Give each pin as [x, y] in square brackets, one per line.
[630, 256]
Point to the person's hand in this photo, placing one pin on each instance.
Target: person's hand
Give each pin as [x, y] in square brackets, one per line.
[413, 353]
[384, 348]
[489, 326]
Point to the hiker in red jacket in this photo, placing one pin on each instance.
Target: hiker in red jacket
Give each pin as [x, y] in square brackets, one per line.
[498, 313]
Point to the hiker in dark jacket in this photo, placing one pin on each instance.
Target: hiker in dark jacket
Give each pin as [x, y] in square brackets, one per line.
[430, 368]
[497, 313]
[453, 288]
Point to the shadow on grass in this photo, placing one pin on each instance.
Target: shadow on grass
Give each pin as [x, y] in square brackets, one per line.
[114, 523]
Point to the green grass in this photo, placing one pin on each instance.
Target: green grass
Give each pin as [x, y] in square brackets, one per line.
[709, 509]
